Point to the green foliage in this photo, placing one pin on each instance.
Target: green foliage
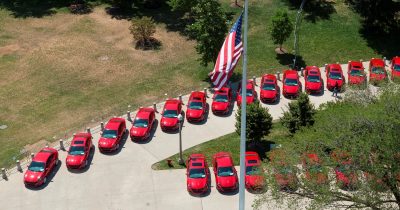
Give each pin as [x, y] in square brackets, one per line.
[258, 122]
[282, 27]
[142, 30]
[300, 114]
[363, 135]
[182, 5]
[209, 29]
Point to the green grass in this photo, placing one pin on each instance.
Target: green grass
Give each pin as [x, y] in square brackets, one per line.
[228, 143]
[62, 87]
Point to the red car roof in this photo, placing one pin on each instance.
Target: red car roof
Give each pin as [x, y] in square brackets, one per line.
[144, 113]
[269, 77]
[197, 161]
[292, 74]
[377, 62]
[223, 159]
[356, 64]
[252, 158]
[43, 155]
[335, 66]
[197, 95]
[396, 60]
[172, 103]
[80, 137]
[114, 123]
[313, 158]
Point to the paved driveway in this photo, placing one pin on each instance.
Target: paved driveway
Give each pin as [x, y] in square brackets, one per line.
[125, 180]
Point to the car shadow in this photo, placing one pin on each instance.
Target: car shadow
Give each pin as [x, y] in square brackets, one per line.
[90, 159]
[152, 134]
[121, 145]
[49, 178]
[230, 193]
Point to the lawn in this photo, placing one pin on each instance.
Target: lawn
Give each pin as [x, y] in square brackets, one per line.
[61, 72]
[228, 143]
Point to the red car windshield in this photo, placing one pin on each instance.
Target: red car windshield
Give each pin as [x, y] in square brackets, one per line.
[170, 114]
[249, 92]
[196, 105]
[355, 72]
[335, 75]
[109, 134]
[140, 123]
[253, 170]
[77, 150]
[290, 82]
[378, 70]
[36, 166]
[221, 98]
[268, 86]
[313, 78]
[396, 67]
[225, 171]
[197, 173]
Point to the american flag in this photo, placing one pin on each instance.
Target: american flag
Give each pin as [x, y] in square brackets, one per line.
[228, 55]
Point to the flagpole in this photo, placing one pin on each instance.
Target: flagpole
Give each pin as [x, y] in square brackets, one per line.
[243, 117]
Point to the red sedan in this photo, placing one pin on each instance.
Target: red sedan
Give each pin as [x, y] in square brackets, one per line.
[313, 80]
[40, 168]
[269, 89]
[285, 175]
[377, 70]
[334, 75]
[198, 174]
[225, 172]
[291, 84]
[142, 125]
[355, 73]
[251, 94]
[395, 68]
[169, 120]
[221, 103]
[314, 170]
[79, 151]
[112, 134]
[254, 181]
[197, 107]
[346, 176]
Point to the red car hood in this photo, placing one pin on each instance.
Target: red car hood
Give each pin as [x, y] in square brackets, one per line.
[355, 80]
[31, 176]
[377, 76]
[332, 82]
[169, 122]
[226, 181]
[198, 183]
[291, 89]
[313, 85]
[219, 106]
[268, 93]
[106, 143]
[254, 180]
[249, 99]
[194, 113]
[75, 159]
[140, 132]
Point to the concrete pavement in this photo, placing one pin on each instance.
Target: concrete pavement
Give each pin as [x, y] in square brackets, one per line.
[125, 180]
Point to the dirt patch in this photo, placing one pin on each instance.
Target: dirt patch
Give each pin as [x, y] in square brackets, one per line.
[9, 49]
[33, 148]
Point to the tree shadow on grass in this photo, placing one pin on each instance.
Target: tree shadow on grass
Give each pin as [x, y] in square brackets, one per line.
[386, 44]
[315, 10]
[287, 60]
[261, 147]
[38, 9]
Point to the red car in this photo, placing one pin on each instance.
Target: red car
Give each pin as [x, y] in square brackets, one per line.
[254, 181]
[314, 170]
[40, 168]
[346, 176]
[251, 94]
[197, 107]
[313, 80]
[225, 172]
[198, 174]
[222, 101]
[334, 74]
[79, 151]
[291, 84]
[355, 73]
[269, 89]
[377, 70]
[395, 67]
[285, 175]
[169, 120]
[112, 134]
[142, 125]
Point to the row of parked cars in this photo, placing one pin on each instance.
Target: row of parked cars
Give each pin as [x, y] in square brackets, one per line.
[144, 122]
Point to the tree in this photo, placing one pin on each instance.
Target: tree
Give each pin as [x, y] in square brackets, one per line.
[300, 114]
[282, 27]
[142, 30]
[258, 122]
[367, 137]
[209, 29]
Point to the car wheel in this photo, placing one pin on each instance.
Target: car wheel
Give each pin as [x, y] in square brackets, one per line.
[86, 163]
[117, 147]
[44, 180]
[57, 162]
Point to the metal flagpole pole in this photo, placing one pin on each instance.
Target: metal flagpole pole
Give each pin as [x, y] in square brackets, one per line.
[296, 46]
[243, 117]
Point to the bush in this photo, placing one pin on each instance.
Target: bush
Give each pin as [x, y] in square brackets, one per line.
[142, 30]
[300, 114]
[258, 122]
[79, 7]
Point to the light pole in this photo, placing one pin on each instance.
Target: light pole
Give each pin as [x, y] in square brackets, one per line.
[180, 120]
